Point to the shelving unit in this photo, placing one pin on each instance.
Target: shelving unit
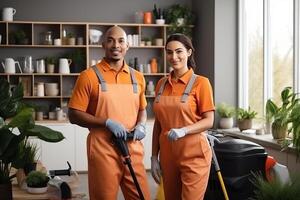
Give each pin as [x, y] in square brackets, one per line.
[34, 45]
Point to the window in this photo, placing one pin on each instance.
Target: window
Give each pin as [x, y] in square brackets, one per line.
[266, 51]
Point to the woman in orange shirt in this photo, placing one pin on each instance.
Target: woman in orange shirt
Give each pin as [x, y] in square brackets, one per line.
[184, 110]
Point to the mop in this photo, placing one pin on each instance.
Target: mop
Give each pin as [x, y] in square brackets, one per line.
[216, 164]
[122, 146]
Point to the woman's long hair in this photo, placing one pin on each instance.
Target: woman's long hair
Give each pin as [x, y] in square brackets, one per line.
[187, 43]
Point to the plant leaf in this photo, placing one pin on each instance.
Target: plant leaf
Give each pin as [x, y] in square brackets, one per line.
[23, 120]
[45, 133]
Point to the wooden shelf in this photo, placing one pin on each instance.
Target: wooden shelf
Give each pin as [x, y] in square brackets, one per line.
[34, 31]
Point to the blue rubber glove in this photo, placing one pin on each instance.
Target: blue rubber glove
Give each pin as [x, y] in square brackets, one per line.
[139, 132]
[116, 128]
[176, 133]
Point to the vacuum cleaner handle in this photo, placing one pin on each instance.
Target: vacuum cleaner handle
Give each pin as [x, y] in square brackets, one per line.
[122, 145]
[61, 172]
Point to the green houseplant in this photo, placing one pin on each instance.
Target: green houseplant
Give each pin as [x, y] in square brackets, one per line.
[281, 116]
[286, 118]
[245, 117]
[226, 113]
[37, 179]
[276, 190]
[37, 182]
[180, 18]
[17, 123]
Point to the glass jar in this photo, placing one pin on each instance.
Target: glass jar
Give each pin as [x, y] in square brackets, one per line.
[48, 38]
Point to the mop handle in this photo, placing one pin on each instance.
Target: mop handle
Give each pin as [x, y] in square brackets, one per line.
[122, 146]
[212, 139]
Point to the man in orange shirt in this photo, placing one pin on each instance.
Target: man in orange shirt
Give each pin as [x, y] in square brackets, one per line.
[109, 99]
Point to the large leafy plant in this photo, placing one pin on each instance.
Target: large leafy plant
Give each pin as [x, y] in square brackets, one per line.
[288, 113]
[17, 124]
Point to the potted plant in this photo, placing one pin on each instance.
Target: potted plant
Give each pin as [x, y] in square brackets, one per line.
[245, 118]
[180, 18]
[16, 123]
[159, 15]
[71, 39]
[37, 182]
[50, 61]
[78, 60]
[226, 113]
[281, 116]
[147, 41]
[276, 190]
[19, 37]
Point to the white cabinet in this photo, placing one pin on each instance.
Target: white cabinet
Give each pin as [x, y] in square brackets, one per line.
[80, 150]
[56, 155]
[73, 147]
[147, 141]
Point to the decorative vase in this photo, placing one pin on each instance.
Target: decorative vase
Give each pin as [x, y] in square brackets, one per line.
[21, 177]
[147, 18]
[6, 191]
[268, 127]
[245, 124]
[226, 123]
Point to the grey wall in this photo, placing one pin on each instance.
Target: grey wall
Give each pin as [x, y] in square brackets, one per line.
[215, 37]
[83, 10]
[226, 70]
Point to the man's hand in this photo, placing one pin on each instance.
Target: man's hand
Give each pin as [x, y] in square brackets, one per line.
[116, 128]
[176, 133]
[139, 132]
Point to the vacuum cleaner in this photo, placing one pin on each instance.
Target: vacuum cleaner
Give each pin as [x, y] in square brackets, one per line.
[62, 186]
[123, 149]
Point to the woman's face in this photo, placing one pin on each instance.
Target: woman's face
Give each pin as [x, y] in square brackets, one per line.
[177, 55]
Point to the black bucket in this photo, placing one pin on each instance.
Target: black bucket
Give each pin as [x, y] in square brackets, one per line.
[238, 160]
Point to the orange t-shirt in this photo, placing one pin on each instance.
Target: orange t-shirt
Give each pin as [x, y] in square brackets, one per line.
[201, 92]
[85, 93]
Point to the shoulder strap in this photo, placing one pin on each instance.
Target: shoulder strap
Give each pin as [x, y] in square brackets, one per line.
[188, 88]
[102, 82]
[161, 89]
[133, 80]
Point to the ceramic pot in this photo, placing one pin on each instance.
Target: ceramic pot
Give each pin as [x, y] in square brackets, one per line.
[226, 123]
[37, 190]
[245, 124]
[279, 132]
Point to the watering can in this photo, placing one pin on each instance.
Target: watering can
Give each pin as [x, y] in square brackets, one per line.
[9, 66]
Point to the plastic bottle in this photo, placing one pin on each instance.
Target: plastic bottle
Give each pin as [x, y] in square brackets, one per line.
[153, 64]
[150, 88]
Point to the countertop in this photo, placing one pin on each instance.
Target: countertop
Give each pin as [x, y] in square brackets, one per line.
[265, 140]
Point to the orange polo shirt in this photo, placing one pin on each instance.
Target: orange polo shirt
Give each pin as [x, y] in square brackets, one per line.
[201, 92]
[85, 93]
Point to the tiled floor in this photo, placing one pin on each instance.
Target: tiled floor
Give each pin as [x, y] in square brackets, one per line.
[84, 186]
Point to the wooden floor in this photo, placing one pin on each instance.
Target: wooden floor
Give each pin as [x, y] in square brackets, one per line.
[84, 186]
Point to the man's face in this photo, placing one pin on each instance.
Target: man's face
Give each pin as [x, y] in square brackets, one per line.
[115, 44]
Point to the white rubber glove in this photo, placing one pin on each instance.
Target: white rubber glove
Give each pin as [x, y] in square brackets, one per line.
[139, 132]
[176, 133]
[155, 169]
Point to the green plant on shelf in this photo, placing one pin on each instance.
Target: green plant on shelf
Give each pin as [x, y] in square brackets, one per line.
[180, 18]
